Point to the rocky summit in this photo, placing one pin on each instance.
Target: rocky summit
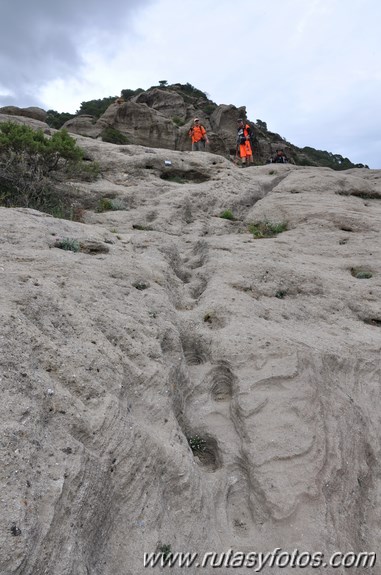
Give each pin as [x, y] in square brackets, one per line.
[161, 117]
[194, 369]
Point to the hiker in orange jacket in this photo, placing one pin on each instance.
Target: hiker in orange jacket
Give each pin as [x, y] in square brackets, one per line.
[198, 135]
[243, 143]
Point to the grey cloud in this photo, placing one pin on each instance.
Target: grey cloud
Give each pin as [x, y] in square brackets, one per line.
[41, 40]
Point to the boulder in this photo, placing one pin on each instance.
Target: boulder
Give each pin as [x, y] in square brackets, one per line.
[35, 124]
[168, 103]
[31, 112]
[141, 124]
[85, 125]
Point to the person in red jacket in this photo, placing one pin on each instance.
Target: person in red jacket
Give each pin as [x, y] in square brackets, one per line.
[243, 143]
[198, 135]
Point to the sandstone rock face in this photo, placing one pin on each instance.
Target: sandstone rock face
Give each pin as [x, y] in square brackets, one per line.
[31, 112]
[170, 327]
[224, 123]
[141, 124]
[84, 124]
[35, 124]
[162, 118]
[170, 104]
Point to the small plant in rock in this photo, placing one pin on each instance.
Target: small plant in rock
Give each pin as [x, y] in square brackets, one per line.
[142, 227]
[68, 244]
[86, 171]
[141, 285]
[227, 215]
[152, 314]
[165, 550]
[281, 294]
[361, 274]
[178, 121]
[175, 178]
[109, 204]
[197, 444]
[208, 317]
[113, 136]
[267, 229]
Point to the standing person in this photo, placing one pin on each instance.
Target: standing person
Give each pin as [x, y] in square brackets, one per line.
[244, 133]
[198, 135]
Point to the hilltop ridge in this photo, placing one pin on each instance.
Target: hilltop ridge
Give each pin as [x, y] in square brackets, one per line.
[161, 116]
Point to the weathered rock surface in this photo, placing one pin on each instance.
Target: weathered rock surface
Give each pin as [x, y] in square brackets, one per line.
[85, 124]
[170, 323]
[30, 112]
[33, 123]
[169, 104]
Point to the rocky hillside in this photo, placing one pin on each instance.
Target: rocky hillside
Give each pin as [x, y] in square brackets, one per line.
[196, 368]
[161, 117]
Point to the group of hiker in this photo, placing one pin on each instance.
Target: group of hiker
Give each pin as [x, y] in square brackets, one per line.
[244, 149]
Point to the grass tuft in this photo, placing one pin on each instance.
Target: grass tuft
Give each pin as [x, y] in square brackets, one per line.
[361, 274]
[267, 229]
[68, 244]
[227, 215]
[197, 444]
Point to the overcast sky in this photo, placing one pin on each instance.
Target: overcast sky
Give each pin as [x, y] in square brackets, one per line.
[309, 68]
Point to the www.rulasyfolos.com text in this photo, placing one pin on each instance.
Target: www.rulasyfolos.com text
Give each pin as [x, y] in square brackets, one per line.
[257, 561]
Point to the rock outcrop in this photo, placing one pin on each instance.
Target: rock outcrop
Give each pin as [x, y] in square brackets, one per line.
[35, 124]
[31, 112]
[141, 124]
[84, 124]
[161, 118]
[168, 103]
[176, 383]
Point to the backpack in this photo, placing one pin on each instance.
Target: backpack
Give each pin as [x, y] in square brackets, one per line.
[190, 132]
[241, 138]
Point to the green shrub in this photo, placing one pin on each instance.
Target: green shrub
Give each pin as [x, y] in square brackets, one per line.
[114, 136]
[178, 121]
[33, 167]
[324, 158]
[208, 107]
[110, 204]
[262, 125]
[96, 107]
[21, 142]
[68, 244]
[57, 119]
[267, 229]
[85, 171]
[227, 215]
